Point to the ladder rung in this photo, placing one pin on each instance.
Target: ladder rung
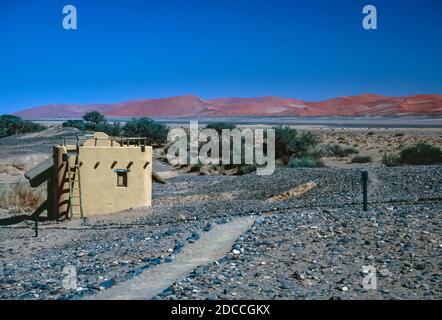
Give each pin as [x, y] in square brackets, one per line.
[74, 178]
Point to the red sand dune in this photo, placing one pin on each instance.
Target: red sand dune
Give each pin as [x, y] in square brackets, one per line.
[192, 106]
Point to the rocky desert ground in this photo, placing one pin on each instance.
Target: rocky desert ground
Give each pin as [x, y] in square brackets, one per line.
[297, 234]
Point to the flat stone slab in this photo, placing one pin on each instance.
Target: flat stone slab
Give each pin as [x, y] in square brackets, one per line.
[211, 246]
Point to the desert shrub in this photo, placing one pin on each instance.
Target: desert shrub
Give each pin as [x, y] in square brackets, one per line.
[418, 154]
[219, 126]
[361, 159]
[305, 162]
[289, 143]
[195, 167]
[343, 140]
[421, 154]
[79, 124]
[391, 160]
[246, 168]
[22, 197]
[241, 168]
[111, 129]
[13, 125]
[336, 150]
[147, 128]
[315, 153]
[154, 132]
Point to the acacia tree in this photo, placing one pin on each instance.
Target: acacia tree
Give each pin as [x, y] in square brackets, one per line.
[94, 117]
[13, 125]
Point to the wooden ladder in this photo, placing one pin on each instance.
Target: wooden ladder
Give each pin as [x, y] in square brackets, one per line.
[74, 179]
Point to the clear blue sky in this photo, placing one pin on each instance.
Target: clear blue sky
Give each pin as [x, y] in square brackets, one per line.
[122, 50]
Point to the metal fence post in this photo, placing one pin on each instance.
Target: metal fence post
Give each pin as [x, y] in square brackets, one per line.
[36, 227]
[364, 189]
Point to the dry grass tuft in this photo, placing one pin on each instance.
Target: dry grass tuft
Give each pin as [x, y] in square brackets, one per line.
[22, 197]
[12, 167]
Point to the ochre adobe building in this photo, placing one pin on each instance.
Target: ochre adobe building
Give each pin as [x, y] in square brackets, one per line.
[96, 175]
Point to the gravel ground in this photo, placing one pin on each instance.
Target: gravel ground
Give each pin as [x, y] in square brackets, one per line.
[320, 254]
[311, 247]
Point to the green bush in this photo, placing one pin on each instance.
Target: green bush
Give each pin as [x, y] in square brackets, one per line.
[418, 154]
[361, 159]
[305, 162]
[79, 124]
[246, 168]
[289, 143]
[111, 129]
[336, 150]
[154, 132]
[13, 125]
[421, 154]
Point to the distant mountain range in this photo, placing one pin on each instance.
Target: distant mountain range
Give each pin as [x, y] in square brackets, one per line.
[194, 107]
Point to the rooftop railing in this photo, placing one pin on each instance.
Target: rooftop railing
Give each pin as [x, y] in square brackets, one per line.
[79, 140]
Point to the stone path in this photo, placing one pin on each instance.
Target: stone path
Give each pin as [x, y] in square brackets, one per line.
[374, 184]
[211, 246]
